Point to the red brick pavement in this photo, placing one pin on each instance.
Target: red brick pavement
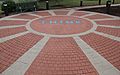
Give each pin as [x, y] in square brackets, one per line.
[61, 56]
[12, 49]
[97, 16]
[12, 22]
[45, 13]
[108, 48]
[25, 16]
[61, 12]
[109, 22]
[11, 31]
[79, 14]
[61, 29]
[111, 31]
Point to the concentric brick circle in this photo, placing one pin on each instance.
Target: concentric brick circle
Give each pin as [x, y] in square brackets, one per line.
[61, 25]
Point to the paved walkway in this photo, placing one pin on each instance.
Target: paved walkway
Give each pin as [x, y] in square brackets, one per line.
[60, 42]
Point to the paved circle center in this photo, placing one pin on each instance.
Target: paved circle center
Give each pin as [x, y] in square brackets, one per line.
[61, 25]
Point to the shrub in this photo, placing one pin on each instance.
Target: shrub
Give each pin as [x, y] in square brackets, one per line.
[11, 6]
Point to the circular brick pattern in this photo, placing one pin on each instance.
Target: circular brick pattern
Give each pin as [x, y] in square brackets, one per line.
[61, 55]
[61, 25]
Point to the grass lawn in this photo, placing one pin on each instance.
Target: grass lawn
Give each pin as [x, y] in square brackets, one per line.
[0, 8]
[72, 3]
[68, 3]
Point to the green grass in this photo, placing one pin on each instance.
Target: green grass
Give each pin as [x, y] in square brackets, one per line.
[66, 3]
[0, 8]
[117, 1]
[72, 3]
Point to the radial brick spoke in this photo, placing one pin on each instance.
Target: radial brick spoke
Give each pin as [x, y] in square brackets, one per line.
[11, 31]
[107, 19]
[108, 48]
[59, 12]
[61, 56]
[52, 12]
[96, 59]
[45, 13]
[111, 31]
[12, 22]
[25, 16]
[12, 36]
[10, 18]
[11, 50]
[15, 26]
[70, 12]
[26, 60]
[80, 14]
[109, 22]
[97, 16]
[109, 26]
[108, 36]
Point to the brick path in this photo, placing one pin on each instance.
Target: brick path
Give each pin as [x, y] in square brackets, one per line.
[11, 50]
[11, 31]
[111, 31]
[110, 49]
[25, 16]
[30, 47]
[12, 22]
[61, 56]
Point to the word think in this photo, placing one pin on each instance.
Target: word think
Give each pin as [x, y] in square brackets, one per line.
[60, 21]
